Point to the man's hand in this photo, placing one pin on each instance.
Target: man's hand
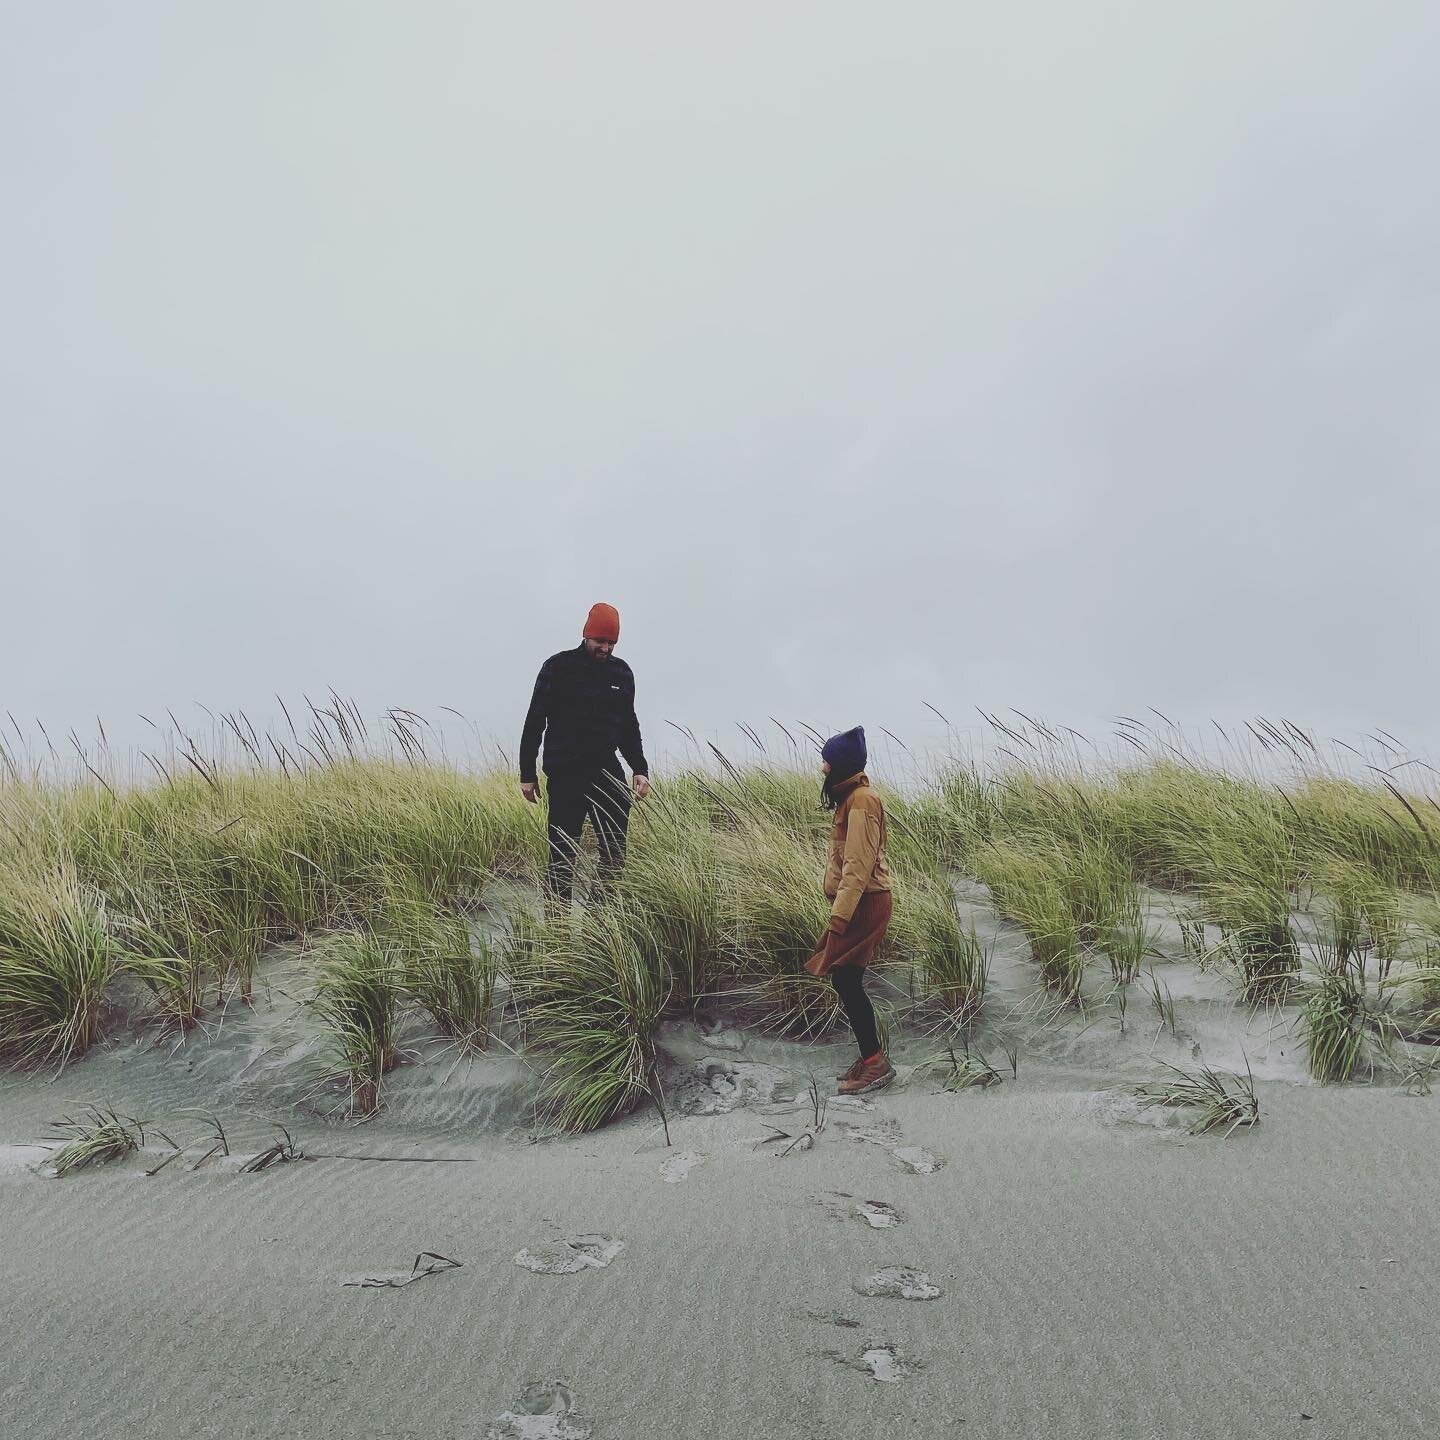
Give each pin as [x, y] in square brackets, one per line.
[530, 789]
[642, 786]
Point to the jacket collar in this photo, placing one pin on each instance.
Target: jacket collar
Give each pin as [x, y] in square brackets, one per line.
[846, 786]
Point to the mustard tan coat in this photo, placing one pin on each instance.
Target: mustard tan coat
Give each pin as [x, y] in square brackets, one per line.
[857, 879]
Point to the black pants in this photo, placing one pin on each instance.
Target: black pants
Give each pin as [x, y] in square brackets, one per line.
[606, 801]
[849, 983]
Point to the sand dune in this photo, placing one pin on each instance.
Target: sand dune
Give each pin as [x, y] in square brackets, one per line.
[1096, 1277]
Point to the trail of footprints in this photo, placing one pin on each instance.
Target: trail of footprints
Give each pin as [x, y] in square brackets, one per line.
[545, 1410]
[881, 1360]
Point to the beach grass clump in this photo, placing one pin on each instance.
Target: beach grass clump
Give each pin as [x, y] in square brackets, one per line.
[775, 799]
[360, 986]
[1252, 910]
[57, 956]
[1069, 818]
[1124, 936]
[591, 991]
[1102, 893]
[166, 942]
[1178, 824]
[673, 875]
[1374, 827]
[1218, 1098]
[935, 828]
[1028, 883]
[1336, 1021]
[776, 916]
[445, 970]
[96, 1138]
[951, 963]
[1239, 858]
[1365, 914]
[962, 1069]
[1415, 985]
[966, 797]
[1264, 951]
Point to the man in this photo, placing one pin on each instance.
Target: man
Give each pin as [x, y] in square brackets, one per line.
[584, 705]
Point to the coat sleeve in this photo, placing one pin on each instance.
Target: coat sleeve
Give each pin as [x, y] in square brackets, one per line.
[535, 719]
[631, 746]
[862, 846]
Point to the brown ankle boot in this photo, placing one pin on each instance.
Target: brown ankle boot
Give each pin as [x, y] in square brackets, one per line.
[873, 1074]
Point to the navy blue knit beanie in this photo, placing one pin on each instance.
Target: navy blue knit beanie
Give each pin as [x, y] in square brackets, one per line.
[846, 754]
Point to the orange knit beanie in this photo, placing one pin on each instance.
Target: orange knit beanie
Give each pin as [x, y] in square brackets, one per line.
[603, 623]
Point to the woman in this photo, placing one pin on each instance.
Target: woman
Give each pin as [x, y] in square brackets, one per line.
[857, 882]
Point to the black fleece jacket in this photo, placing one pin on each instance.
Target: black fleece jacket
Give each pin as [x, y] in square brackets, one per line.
[585, 708]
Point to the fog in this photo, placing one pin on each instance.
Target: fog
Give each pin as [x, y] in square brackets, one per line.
[1076, 359]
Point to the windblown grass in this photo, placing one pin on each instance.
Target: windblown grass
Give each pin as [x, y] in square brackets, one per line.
[673, 875]
[962, 1069]
[1028, 883]
[778, 916]
[361, 983]
[1365, 913]
[96, 1138]
[952, 965]
[1218, 1098]
[1336, 1022]
[443, 968]
[375, 861]
[1125, 937]
[57, 956]
[591, 992]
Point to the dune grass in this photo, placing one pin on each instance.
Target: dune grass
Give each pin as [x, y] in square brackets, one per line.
[57, 956]
[1335, 1019]
[1028, 882]
[950, 963]
[591, 990]
[96, 1138]
[1218, 1098]
[777, 918]
[962, 1069]
[360, 984]
[443, 968]
[375, 861]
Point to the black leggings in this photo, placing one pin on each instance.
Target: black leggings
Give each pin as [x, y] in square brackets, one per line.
[849, 983]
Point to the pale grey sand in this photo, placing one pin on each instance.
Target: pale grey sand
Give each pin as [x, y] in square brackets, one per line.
[1100, 1273]
[1099, 1278]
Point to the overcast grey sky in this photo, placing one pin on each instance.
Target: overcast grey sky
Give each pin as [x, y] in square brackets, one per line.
[1075, 357]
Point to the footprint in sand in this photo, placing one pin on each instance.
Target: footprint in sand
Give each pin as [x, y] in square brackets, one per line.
[899, 1282]
[879, 1360]
[910, 1159]
[571, 1255]
[883, 1362]
[677, 1167]
[884, 1133]
[715, 1086]
[545, 1410]
[915, 1161]
[878, 1215]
